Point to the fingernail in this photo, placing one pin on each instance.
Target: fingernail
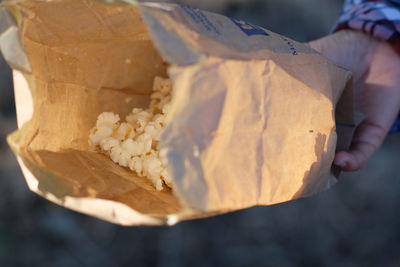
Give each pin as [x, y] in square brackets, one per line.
[341, 163]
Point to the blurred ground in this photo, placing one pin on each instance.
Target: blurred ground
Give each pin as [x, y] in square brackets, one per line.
[356, 223]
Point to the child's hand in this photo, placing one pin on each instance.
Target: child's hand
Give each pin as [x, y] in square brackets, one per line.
[376, 80]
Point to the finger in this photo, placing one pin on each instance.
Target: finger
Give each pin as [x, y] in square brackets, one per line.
[367, 139]
[341, 159]
[355, 158]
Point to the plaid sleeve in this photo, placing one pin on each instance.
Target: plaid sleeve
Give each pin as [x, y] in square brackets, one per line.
[379, 18]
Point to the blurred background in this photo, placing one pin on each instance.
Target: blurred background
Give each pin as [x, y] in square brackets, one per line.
[356, 223]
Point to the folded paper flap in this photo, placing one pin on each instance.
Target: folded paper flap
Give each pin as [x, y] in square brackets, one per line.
[10, 42]
[243, 122]
[186, 35]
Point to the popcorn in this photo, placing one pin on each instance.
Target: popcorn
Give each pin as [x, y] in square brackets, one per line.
[108, 143]
[166, 177]
[131, 147]
[136, 165]
[146, 140]
[162, 94]
[105, 125]
[166, 108]
[134, 143]
[107, 119]
[125, 131]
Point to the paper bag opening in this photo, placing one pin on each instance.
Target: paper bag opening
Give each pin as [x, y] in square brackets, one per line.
[253, 111]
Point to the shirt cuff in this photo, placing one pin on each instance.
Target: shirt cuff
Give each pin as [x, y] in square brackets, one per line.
[380, 20]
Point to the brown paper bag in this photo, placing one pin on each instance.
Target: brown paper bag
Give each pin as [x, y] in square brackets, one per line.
[252, 119]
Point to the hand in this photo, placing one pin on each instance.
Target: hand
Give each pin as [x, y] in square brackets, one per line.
[376, 82]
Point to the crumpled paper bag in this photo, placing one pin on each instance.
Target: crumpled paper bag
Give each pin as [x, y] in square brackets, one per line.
[252, 119]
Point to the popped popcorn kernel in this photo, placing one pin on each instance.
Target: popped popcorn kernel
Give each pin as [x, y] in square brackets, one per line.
[134, 143]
